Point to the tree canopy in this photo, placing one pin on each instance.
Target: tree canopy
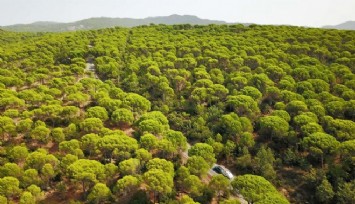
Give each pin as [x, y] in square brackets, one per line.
[141, 114]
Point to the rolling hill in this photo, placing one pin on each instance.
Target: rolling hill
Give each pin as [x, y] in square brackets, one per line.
[104, 22]
[349, 25]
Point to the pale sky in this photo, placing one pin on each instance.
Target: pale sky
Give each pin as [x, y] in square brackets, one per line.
[313, 13]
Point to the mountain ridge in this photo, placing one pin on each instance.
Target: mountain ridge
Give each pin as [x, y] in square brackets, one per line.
[106, 22]
[348, 25]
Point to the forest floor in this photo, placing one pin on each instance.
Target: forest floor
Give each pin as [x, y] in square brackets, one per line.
[54, 197]
[293, 187]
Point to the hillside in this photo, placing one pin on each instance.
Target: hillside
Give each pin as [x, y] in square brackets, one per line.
[146, 114]
[98, 23]
[349, 25]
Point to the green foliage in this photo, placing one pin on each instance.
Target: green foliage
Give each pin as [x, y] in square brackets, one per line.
[282, 114]
[58, 134]
[94, 107]
[3, 199]
[321, 145]
[40, 133]
[322, 141]
[18, 153]
[246, 140]
[27, 198]
[116, 143]
[36, 192]
[85, 170]
[148, 141]
[7, 126]
[203, 150]
[197, 165]
[153, 122]
[126, 184]
[243, 105]
[97, 112]
[137, 103]
[187, 200]
[158, 181]
[231, 125]
[70, 146]
[220, 185]
[193, 185]
[9, 186]
[91, 125]
[122, 115]
[346, 192]
[151, 126]
[273, 126]
[257, 189]
[342, 129]
[230, 201]
[296, 107]
[31, 177]
[325, 192]
[99, 193]
[129, 167]
[161, 164]
[264, 162]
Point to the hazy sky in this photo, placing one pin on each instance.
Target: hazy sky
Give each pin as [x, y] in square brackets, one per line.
[293, 12]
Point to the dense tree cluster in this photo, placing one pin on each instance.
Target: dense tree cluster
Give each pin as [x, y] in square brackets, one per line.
[275, 104]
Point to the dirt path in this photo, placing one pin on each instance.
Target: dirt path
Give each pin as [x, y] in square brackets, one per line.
[185, 154]
[128, 131]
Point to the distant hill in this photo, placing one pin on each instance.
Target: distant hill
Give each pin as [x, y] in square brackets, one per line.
[103, 22]
[349, 25]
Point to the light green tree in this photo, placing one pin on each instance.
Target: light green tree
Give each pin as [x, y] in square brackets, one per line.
[99, 193]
